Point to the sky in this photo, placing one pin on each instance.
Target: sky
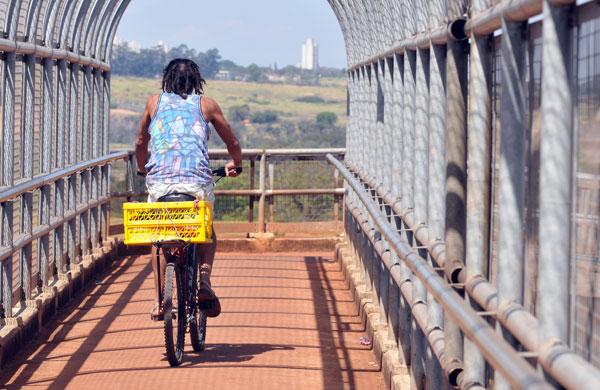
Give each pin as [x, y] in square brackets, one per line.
[244, 31]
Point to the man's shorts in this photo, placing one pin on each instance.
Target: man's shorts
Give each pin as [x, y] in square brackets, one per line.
[203, 192]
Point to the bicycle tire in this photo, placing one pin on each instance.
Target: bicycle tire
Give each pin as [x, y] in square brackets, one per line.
[198, 331]
[198, 320]
[174, 345]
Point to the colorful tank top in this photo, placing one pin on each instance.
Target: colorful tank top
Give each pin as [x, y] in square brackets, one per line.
[178, 142]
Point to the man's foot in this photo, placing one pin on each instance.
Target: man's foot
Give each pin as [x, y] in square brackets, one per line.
[157, 313]
[207, 299]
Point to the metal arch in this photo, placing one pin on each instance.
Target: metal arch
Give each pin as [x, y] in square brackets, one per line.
[98, 37]
[113, 30]
[24, 12]
[101, 38]
[49, 19]
[40, 27]
[4, 5]
[12, 19]
[360, 33]
[66, 27]
[32, 19]
[60, 23]
[341, 17]
[351, 43]
[93, 35]
[88, 24]
[363, 17]
[75, 28]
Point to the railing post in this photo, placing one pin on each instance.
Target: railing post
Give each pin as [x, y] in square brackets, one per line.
[6, 274]
[556, 176]
[456, 180]
[129, 175]
[512, 171]
[261, 187]
[478, 181]
[251, 187]
[271, 186]
[336, 198]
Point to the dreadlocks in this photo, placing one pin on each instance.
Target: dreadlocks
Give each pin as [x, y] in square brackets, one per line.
[182, 76]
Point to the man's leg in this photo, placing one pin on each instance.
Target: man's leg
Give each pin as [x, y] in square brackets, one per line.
[206, 296]
[159, 279]
[206, 256]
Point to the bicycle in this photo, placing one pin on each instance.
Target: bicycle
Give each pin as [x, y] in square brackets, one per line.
[182, 279]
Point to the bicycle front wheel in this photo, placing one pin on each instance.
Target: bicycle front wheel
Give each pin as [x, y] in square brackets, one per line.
[174, 319]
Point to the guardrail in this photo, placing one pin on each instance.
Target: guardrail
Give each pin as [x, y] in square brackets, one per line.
[383, 225]
[49, 237]
[262, 164]
[64, 216]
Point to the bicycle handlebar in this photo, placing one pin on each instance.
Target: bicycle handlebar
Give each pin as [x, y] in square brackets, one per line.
[220, 172]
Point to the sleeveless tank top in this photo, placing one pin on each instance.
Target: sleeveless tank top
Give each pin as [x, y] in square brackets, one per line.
[178, 142]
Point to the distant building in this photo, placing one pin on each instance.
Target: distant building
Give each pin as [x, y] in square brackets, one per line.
[134, 46]
[162, 46]
[224, 75]
[310, 55]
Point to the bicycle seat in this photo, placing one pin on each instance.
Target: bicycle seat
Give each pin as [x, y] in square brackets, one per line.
[176, 197]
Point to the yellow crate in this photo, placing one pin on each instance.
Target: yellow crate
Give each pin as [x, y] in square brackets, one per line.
[151, 223]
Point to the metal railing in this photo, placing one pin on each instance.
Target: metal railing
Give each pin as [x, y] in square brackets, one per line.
[63, 216]
[51, 237]
[508, 89]
[271, 176]
[376, 211]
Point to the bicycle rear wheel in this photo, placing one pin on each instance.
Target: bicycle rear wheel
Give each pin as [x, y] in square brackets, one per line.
[198, 320]
[174, 324]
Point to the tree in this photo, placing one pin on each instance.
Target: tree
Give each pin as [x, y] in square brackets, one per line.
[239, 113]
[263, 117]
[208, 62]
[326, 119]
[255, 73]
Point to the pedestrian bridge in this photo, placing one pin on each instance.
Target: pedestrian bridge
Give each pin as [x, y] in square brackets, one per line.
[453, 243]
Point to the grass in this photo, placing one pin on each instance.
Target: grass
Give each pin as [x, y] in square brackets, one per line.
[131, 94]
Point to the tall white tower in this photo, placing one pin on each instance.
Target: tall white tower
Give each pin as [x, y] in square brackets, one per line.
[310, 55]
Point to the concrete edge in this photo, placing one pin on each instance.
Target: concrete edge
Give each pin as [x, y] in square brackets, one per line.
[395, 372]
[258, 244]
[18, 331]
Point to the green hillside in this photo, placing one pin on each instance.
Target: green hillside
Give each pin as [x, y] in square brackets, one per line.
[131, 93]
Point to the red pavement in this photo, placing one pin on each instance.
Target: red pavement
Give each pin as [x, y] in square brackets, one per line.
[288, 321]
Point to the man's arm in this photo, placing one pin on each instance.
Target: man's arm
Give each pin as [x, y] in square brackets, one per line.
[214, 114]
[143, 136]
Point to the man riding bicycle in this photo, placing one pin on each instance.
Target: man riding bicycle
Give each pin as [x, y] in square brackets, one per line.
[174, 129]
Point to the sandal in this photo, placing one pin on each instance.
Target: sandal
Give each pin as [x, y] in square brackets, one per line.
[207, 300]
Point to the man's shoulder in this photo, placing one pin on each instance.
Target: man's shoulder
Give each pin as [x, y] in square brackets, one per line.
[210, 102]
[210, 107]
[152, 104]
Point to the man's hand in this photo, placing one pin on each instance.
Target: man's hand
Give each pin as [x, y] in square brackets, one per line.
[230, 169]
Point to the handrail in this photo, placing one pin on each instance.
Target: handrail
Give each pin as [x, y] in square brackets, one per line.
[482, 23]
[42, 180]
[263, 158]
[307, 152]
[494, 348]
[567, 367]
[28, 48]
